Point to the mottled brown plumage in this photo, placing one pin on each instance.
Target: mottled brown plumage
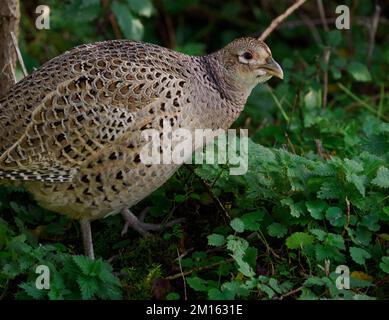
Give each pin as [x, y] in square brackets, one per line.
[71, 131]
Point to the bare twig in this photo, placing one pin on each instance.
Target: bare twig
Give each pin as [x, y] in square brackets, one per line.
[215, 197]
[374, 99]
[106, 5]
[361, 102]
[290, 143]
[322, 15]
[312, 27]
[9, 21]
[326, 53]
[11, 71]
[115, 26]
[291, 293]
[262, 238]
[210, 266]
[277, 21]
[182, 273]
[348, 211]
[20, 58]
[320, 150]
[326, 58]
[373, 31]
[278, 104]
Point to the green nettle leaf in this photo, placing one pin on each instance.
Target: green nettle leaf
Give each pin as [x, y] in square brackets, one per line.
[330, 189]
[335, 216]
[359, 71]
[251, 256]
[84, 263]
[314, 281]
[384, 265]
[235, 288]
[277, 230]
[323, 252]
[296, 209]
[216, 294]
[265, 288]
[299, 239]
[237, 224]
[382, 178]
[334, 37]
[273, 283]
[179, 198]
[239, 247]
[362, 235]
[319, 233]
[252, 220]
[316, 208]
[107, 276]
[33, 291]
[371, 222]
[352, 166]
[359, 182]
[216, 240]
[359, 255]
[336, 73]
[173, 296]
[88, 286]
[197, 283]
[335, 240]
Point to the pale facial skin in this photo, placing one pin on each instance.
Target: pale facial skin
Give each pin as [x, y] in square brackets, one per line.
[251, 62]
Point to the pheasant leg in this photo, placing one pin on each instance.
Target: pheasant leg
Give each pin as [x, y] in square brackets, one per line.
[140, 226]
[87, 238]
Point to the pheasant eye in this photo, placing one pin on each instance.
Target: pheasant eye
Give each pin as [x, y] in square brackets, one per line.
[247, 56]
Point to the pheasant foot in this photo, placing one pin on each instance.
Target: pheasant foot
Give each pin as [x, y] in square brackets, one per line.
[140, 226]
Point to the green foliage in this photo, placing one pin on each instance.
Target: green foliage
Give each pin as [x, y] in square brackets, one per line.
[359, 255]
[299, 240]
[126, 12]
[72, 277]
[315, 195]
[359, 71]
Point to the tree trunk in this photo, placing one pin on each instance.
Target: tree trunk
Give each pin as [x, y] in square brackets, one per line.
[9, 21]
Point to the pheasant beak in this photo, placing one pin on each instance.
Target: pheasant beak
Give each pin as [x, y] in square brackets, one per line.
[273, 68]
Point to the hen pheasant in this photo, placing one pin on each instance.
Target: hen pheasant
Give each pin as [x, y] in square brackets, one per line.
[70, 132]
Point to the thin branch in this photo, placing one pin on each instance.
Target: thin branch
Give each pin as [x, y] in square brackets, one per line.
[115, 26]
[320, 150]
[291, 293]
[290, 143]
[277, 21]
[322, 15]
[278, 104]
[372, 33]
[361, 102]
[312, 27]
[13, 72]
[186, 273]
[348, 211]
[182, 273]
[326, 59]
[20, 58]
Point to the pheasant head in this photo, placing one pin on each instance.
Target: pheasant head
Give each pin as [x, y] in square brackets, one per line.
[247, 62]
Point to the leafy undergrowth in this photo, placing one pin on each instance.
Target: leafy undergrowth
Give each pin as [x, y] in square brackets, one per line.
[315, 197]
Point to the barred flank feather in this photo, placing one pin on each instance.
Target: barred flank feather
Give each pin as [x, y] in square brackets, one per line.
[53, 175]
